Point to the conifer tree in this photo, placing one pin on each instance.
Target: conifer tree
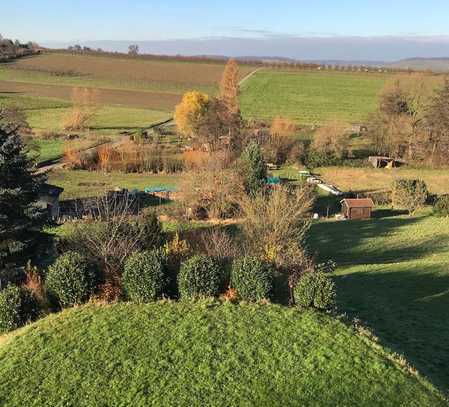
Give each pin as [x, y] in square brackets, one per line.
[21, 221]
[253, 169]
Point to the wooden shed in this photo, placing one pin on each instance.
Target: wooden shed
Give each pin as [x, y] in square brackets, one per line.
[386, 162]
[49, 199]
[360, 208]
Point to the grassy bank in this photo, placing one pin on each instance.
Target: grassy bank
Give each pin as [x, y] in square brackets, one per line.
[200, 354]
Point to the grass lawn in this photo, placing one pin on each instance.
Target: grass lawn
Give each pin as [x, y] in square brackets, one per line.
[200, 354]
[311, 97]
[47, 114]
[49, 149]
[372, 179]
[394, 276]
[79, 184]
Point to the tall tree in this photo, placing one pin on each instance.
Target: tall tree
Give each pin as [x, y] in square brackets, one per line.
[229, 87]
[133, 50]
[191, 113]
[253, 169]
[437, 120]
[21, 221]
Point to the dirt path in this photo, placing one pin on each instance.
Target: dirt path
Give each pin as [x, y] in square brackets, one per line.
[249, 76]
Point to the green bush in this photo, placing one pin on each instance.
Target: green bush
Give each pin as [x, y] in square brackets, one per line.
[316, 159]
[145, 276]
[152, 236]
[70, 280]
[441, 207]
[17, 307]
[409, 194]
[200, 276]
[315, 290]
[252, 278]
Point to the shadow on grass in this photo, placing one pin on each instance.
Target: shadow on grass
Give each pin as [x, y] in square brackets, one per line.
[362, 242]
[408, 310]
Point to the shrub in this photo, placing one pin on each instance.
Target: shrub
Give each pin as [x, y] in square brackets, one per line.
[253, 169]
[70, 280]
[152, 236]
[199, 276]
[316, 159]
[441, 207]
[252, 278]
[145, 276]
[17, 307]
[315, 290]
[409, 194]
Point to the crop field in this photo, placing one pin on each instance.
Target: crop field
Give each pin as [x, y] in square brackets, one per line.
[162, 81]
[311, 97]
[394, 276]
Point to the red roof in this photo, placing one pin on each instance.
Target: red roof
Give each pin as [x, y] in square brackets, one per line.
[359, 203]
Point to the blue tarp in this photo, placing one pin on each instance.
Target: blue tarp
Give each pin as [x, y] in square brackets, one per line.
[159, 189]
[273, 181]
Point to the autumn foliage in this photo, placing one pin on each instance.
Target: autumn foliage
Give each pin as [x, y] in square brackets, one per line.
[191, 112]
[229, 86]
[85, 107]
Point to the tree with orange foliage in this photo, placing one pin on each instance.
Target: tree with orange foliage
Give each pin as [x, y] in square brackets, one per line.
[229, 87]
[282, 127]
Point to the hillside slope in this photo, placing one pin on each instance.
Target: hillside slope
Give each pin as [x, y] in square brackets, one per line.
[200, 354]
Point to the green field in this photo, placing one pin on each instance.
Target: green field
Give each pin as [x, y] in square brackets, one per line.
[207, 353]
[394, 276]
[311, 97]
[79, 184]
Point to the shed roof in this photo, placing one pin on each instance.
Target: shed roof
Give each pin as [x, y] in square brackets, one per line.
[48, 189]
[359, 203]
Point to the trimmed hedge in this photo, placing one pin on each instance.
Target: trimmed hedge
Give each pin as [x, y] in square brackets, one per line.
[17, 307]
[200, 276]
[252, 278]
[70, 280]
[441, 207]
[145, 276]
[315, 290]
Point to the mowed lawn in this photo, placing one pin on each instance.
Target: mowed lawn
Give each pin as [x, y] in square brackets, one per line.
[81, 184]
[394, 275]
[203, 354]
[311, 97]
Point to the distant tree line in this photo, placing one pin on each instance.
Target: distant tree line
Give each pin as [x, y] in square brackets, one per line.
[412, 121]
[134, 52]
[10, 49]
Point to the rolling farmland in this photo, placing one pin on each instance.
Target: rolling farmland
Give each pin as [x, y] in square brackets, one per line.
[311, 97]
[113, 73]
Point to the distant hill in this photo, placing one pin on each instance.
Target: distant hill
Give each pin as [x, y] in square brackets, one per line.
[435, 64]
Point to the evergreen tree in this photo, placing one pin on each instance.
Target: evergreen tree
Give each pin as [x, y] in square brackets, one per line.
[254, 170]
[21, 221]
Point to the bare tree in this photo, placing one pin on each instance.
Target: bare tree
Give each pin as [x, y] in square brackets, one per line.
[133, 50]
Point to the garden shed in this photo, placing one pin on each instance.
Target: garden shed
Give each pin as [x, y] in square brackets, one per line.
[49, 199]
[360, 208]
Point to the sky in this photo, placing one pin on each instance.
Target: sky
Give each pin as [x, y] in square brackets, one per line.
[201, 24]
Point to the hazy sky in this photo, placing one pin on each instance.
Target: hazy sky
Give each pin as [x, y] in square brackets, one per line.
[140, 20]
